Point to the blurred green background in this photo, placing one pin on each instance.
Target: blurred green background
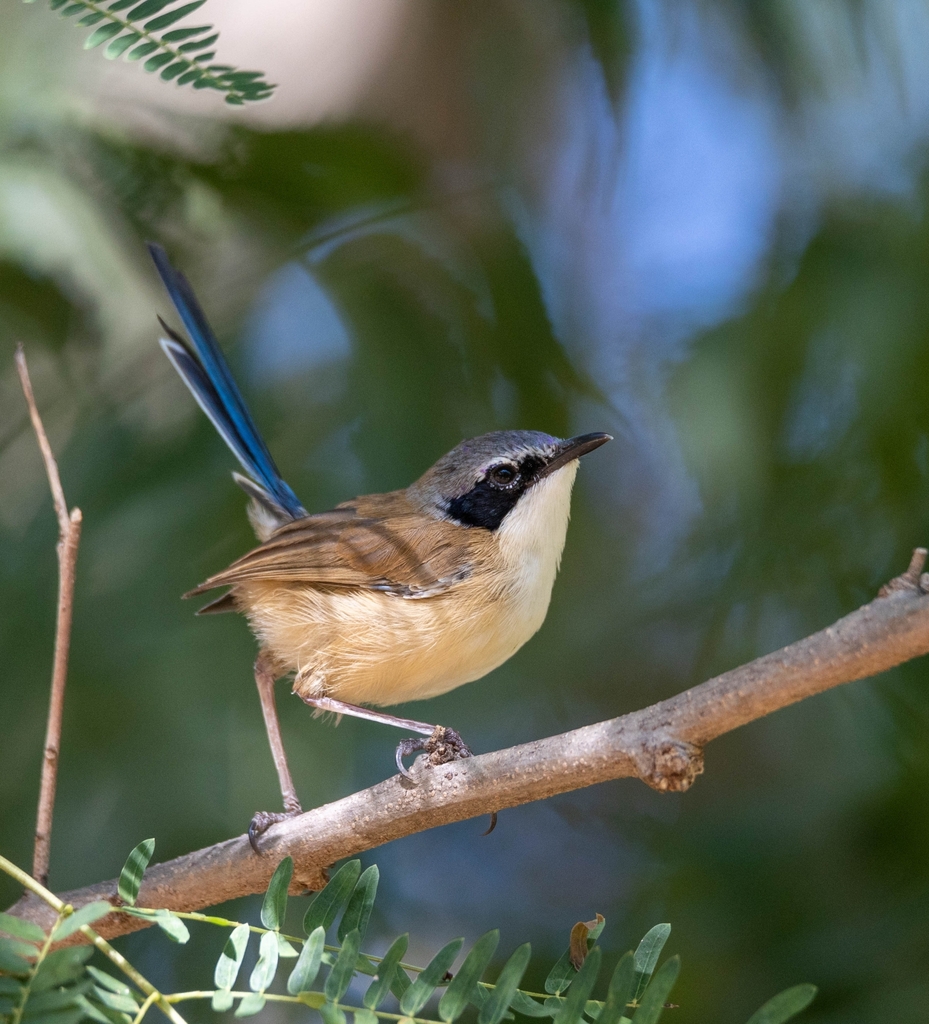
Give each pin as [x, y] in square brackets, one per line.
[698, 224]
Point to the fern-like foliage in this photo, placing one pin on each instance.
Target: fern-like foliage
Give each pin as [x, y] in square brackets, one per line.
[136, 31]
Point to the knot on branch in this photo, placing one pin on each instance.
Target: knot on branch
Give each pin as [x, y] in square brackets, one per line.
[913, 579]
[669, 765]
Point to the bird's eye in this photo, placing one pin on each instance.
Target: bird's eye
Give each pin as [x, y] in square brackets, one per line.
[502, 475]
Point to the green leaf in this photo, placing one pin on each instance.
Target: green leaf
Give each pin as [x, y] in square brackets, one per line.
[86, 915]
[11, 961]
[573, 1007]
[61, 966]
[91, 19]
[93, 1012]
[156, 24]
[57, 998]
[264, 970]
[178, 34]
[158, 61]
[307, 966]
[430, 977]
[68, 1016]
[274, 906]
[124, 1004]
[331, 1014]
[343, 970]
[527, 1006]
[107, 981]
[147, 9]
[102, 34]
[173, 70]
[10, 986]
[172, 926]
[230, 960]
[458, 994]
[190, 76]
[120, 5]
[251, 1004]
[646, 956]
[198, 44]
[386, 971]
[619, 994]
[20, 929]
[366, 1017]
[119, 46]
[400, 982]
[656, 995]
[222, 1000]
[130, 878]
[142, 51]
[561, 975]
[285, 950]
[325, 908]
[361, 903]
[498, 1001]
[784, 1005]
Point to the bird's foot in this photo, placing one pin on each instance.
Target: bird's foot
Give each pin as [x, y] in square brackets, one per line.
[263, 820]
[443, 746]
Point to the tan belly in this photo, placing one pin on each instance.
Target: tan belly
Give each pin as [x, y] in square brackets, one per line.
[367, 647]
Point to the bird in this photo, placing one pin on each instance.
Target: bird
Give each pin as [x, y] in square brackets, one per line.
[389, 597]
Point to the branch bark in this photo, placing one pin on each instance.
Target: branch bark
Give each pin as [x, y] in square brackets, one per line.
[69, 537]
[662, 745]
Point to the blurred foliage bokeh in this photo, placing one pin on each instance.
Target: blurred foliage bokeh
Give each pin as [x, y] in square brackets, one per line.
[698, 224]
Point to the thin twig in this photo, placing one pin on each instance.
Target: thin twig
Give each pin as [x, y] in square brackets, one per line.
[662, 745]
[69, 536]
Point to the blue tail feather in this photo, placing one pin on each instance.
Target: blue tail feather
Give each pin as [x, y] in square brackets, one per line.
[204, 370]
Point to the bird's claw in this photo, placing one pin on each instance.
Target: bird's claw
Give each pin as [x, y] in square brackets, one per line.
[263, 820]
[443, 746]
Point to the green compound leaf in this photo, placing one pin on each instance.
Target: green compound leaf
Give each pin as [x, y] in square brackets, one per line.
[459, 992]
[19, 929]
[361, 903]
[498, 1002]
[386, 972]
[230, 960]
[307, 966]
[784, 1005]
[274, 905]
[646, 956]
[130, 878]
[86, 915]
[656, 995]
[619, 994]
[126, 27]
[343, 970]
[264, 971]
[573, 1007]
[431, 976]
[325, 908]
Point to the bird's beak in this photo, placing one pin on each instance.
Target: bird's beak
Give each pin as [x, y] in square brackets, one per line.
[573, 449]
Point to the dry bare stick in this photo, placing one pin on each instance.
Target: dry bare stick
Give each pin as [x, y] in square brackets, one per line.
[69, 536]
[662, 745]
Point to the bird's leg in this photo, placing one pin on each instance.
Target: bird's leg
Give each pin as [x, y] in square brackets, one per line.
[441, 745]
[263, 820]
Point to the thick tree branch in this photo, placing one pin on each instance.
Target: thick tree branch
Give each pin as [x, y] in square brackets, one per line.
[69, 536]
[662, 745]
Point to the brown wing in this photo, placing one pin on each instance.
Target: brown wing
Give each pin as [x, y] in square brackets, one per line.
[376, 543]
